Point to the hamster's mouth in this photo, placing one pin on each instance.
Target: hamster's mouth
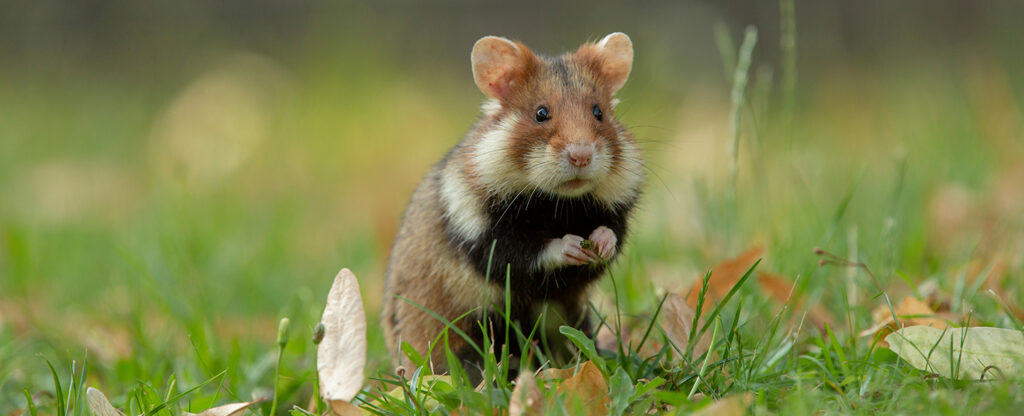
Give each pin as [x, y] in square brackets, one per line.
[574, 184]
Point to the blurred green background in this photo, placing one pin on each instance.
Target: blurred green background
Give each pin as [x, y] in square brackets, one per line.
[177, 176]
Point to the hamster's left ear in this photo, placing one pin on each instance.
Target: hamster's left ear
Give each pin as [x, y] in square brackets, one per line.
[611, 57]
[500, 65]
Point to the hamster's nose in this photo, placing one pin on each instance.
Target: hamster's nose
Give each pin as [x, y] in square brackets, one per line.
[579, 154]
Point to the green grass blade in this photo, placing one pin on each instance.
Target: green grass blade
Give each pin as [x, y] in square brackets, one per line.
[80, 387]
[448, 324]
[59, 394]
[586, 346]
[178, 396]
[30, 403]
[725, 300]
[650, 326]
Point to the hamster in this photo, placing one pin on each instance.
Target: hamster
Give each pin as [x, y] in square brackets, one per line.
[546, 166]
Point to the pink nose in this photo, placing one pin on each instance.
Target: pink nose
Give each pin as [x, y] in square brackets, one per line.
[579, 154]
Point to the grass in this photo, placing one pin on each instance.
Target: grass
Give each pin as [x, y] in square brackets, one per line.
[162, 284]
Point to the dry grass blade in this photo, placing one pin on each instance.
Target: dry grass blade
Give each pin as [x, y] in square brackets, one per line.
[99, 405]
[225, 410]
[341, 356]
[677, 321]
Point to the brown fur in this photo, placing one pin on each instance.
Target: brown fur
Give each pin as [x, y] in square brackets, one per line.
[430, 274]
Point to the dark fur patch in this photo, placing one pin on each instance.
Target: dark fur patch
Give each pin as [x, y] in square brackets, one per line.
[520, 231]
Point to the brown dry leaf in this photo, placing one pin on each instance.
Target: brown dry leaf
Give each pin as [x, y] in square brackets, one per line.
[99, 405]
[549, 374]
[729, 406]
[343, 408]
[677, 320]
[225, 410]
[341, 356]
[526, 397]
[781, 289]
[588, 389]
[778, 288]
[723, 277]
[911, 312]
[630, 337]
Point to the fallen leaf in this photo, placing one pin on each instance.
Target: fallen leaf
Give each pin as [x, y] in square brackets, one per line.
[967, 353]
[677, 320]
[723, 277]
[777, 287]
[549, 374]
[782, 289]
[225, 410]
[629, 338]
[588, 389]
[341, 356]
[526, 397]
[906, 308]
[911, 312]
[99, 405]
[728, 406]
[343, 408]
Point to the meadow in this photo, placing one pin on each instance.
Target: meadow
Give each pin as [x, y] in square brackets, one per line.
[158, 218]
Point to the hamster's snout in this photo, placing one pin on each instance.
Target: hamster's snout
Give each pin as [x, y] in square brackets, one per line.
[579, 154]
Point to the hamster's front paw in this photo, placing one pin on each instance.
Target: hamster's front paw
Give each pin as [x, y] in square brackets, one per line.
[565, 251]
[604, 242]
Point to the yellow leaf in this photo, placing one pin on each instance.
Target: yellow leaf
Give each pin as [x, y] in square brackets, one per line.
[961, 353]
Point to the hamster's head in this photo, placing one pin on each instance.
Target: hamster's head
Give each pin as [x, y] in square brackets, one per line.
[550, 122]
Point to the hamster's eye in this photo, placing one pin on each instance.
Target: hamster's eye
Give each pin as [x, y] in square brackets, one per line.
[542, 114]
[597, 113]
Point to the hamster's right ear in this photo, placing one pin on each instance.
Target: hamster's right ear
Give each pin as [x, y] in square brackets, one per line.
[611, 57]
[499, 64]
